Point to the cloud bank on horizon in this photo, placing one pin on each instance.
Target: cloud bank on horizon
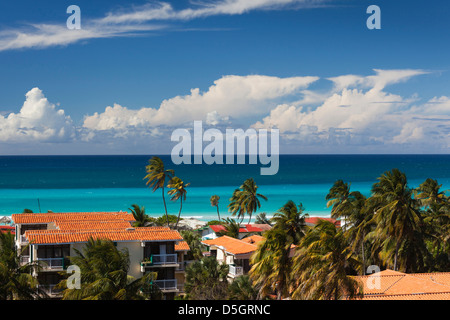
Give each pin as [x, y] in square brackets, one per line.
[357, 114]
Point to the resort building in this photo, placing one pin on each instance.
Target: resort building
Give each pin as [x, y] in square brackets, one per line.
[394, 285]
[181, 249]
[234, 252]
[312, 221]
[211, 231]
[51, 238]
[5, 229]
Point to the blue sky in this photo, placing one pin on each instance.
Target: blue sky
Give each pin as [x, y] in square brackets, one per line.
[137, 70]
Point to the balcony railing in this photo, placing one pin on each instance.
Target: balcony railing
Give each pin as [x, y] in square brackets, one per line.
[167, 284]
[183, 265]
[160, 260]
[236, 271]
[51, 263]
[50, 289]
[24, 260]
[165, 258]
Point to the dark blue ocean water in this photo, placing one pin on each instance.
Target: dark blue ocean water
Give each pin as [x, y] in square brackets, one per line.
[103, 183]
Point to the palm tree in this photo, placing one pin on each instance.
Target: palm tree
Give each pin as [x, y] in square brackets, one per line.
[139, 215]
[291, 219]
[215, 203]
[156, 177]
[262, 219]
[242, 288]
[321, 264]
[429, 192]
[16, 280]
[245, 200]
[340, 199]
[437, 225]
[231, 228]
[272, 263]
[178, 191]
[206, 280]
[397, 216]
[104, 274]
[195, 246]
[359, 225]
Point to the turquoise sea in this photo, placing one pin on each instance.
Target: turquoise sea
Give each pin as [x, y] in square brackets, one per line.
[114, 183]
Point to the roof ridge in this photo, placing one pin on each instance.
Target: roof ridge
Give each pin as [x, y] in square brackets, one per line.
[406, 294]
[431, 279]
[59, 231]
[401, 276]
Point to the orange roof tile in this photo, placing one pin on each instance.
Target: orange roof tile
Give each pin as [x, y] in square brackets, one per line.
[6, 229]
[132, 234]
[315, 220]
[255, 239]
[41, 218]
[93, 225]
[389, 284]
[424, 296]
[182, 246]
[231, 245]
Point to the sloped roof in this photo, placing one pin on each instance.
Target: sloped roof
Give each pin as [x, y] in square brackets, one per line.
[246, 228]
[255, 239]
[5, 229]
[232, 245]
[182, 246]
[130, 234]
[394, 285]
[315, 220]
[92, 225]
[41, 218]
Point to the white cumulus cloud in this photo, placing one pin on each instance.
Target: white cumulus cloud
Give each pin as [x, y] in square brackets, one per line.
[229, 96]
[37, 120]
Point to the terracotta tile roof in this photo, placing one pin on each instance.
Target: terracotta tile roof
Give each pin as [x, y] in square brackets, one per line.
[393, 285]
[231, 245]
[315, 220]
[6, 229]
[255, 239]
[244, 228]
[182, 246]
[131, 234]
[424, 296]
[40, 218]
[92, 225]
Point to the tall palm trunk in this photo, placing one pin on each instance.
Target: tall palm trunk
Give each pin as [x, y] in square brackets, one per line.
[179, 213]
[396, 254]
[363, 258]
[165, 207]
[217, 207]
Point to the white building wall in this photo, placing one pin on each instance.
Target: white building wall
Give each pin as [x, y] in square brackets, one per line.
[136, 252]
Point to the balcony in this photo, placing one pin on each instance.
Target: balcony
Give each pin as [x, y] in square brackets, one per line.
[183, 265]
[24, 260]
[52, 264]
[50, 290]
[160, 260]
[236, 271]
[23, 239]
[167, 285]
